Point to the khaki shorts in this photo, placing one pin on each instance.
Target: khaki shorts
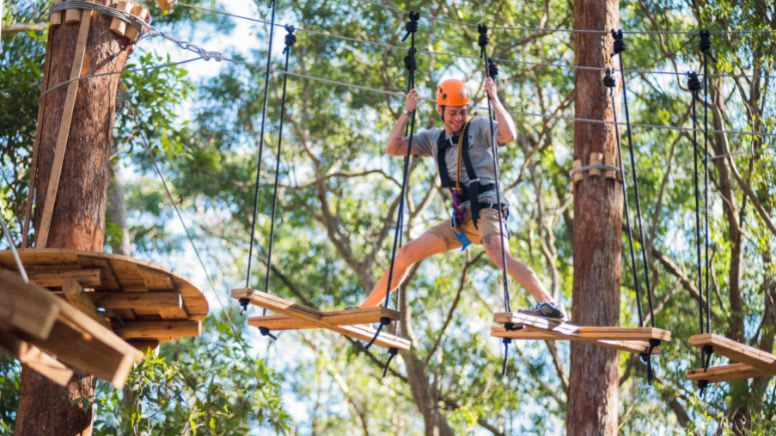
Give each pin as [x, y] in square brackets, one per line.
[487, 225]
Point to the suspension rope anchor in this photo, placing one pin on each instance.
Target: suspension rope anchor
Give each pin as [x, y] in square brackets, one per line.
[693, 82]
[290, 37]
[492, 68]
[609, 80]
[412, 25]
[384, 321]
[244, 304]
[483, 39]
[392, 352]
[265, 332]
[706, 353]
[619, 42]
[705, 44]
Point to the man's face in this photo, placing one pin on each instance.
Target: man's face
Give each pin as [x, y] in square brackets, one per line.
[454, 117]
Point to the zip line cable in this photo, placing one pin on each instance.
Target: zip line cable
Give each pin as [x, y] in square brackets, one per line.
[390, 46]
[12, 247]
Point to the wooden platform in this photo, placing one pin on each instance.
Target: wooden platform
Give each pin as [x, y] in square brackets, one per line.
[132, 294]
[635, 340]
[346, 322]
[46, 333]
[746, 361]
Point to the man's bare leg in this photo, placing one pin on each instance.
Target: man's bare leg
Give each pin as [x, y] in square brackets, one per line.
[427, 245]
[518, 270]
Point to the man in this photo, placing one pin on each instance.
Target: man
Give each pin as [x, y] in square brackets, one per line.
[464, 156]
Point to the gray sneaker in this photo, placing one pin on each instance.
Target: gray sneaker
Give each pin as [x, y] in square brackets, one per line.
[547, 310]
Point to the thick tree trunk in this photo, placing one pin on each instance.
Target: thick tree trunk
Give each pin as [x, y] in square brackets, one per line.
[592, 400]
[78, 221]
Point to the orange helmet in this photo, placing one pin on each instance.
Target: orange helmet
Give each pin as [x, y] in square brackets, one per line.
[452, 92]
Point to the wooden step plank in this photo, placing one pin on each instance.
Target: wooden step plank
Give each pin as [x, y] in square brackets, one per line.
[592, 332]
[736, 351]
[309, 314]
[158, 329]
[35, 358]
[632, 346]
[340, 317]
[26, 307]
[723, 373]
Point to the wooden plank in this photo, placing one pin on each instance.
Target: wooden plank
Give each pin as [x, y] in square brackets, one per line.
[736, 351]
[64, 129]
[723, 373]
[51, 278]
[591, 332]
[158, 329]
[26, 307]
[305, 313]
[137, 300]
[35, 358]
[155, 280]
[631, 346]
[340, 317]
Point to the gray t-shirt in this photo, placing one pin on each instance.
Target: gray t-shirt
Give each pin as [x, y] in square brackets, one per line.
[424, 143]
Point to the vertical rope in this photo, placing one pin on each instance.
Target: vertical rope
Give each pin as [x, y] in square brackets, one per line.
[705, 46]
[491, 70]
[619, 47]
[610, 82]
[290, 40]
[244, 301]
[409, 62]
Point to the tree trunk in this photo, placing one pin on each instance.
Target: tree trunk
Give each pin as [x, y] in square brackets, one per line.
[592, 400]
[78, 221]
[117, 213]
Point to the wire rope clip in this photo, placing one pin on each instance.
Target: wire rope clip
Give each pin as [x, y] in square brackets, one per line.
[619, 42]
[609, 80]
[492, 68]
[705, 43]
[412, 25]
[244, 304]
[290, 37]
[483, 40]
[693, 82]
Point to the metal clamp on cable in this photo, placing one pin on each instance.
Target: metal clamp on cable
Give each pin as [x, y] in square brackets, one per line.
[619, 42]
[705, 44]
[693, 83]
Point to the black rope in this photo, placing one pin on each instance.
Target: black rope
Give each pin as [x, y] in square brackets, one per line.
[244, 301]
[610, 82]
[491, 70]
[694, 84]
[411, 65]
[290, 40]
[705, 47]
[392, 352]
[619, 47]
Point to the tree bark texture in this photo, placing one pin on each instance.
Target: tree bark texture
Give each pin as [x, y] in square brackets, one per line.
[598, 208]
[78, 221]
